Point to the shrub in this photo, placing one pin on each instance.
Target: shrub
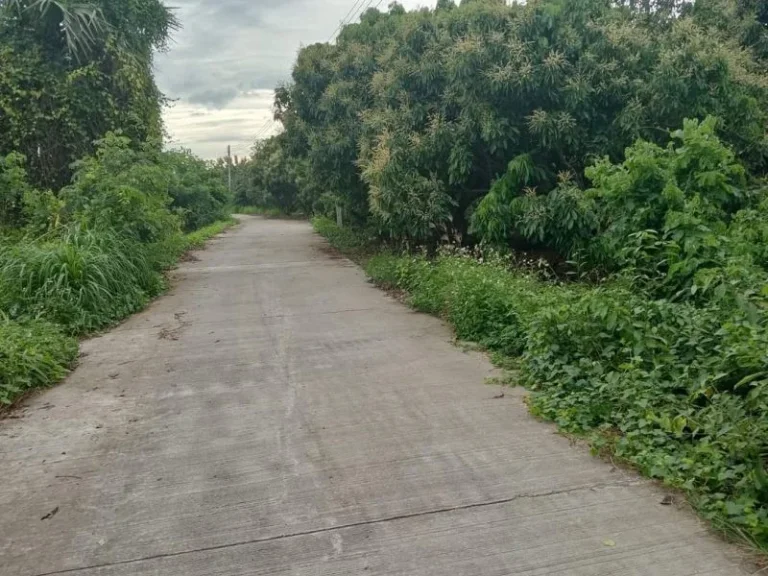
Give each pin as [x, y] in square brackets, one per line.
[13, 185]
[197, 193]
[123, 190]
[677, 390]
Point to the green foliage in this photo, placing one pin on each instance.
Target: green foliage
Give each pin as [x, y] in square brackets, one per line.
[563, 220]
[72, 71]
[270, 180]
[124, 190]
[80, 25]
[197, 192]
[13, 185]
[197, 239]
[80, 279]
[676, 390]
[673, 220]
[33, 354]
[351, 242]
[679, 391]
[411, 117]
[143, 193]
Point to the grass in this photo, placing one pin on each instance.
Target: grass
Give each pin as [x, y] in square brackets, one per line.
[355, 244]
[33, 354]
[198, 238]
[268, 212]
[79, 279]
[679, 392]
[56, 288]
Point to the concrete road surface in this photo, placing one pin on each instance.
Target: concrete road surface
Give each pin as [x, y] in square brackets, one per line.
[275, 414]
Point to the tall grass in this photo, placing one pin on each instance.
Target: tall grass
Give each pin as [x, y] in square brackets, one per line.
[70, 283]
[79, 279]
[32, 354]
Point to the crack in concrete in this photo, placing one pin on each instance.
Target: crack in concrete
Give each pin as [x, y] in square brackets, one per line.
[447, 509]
[330, 312]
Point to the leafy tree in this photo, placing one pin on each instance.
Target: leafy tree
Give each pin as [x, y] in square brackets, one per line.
[13, 185]
[198, 195]
[71, 72]
[413, 120]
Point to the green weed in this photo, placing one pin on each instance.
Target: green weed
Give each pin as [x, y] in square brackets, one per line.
[32, 354]
[198, 238]
[77, 278]
[353, 243]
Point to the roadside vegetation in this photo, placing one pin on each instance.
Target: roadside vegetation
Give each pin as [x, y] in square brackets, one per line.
[580, 188]
[92, 210]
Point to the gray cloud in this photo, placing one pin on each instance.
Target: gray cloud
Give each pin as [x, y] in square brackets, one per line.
[229, 56]
[215, 98]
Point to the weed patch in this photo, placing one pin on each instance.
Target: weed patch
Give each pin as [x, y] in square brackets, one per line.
[198, 238]
[32, 354]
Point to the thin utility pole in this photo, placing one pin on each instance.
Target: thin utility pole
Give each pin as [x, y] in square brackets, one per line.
[229, 168]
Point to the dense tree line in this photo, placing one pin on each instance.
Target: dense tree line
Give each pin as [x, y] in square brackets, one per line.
[78, 96]
[412, 117]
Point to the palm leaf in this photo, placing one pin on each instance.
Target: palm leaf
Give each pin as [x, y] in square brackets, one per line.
[81, 24]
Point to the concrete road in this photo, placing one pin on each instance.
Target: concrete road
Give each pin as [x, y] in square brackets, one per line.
[275, 414]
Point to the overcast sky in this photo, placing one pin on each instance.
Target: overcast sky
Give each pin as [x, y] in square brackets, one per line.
[229, 56]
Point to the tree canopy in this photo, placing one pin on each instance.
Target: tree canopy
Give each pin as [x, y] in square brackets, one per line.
[70, 72]
[430, 123]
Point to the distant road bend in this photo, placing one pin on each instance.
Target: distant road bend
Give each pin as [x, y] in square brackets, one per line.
[275, 414]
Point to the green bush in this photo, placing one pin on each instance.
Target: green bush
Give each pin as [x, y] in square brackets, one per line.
[32, 354]
[198, 195]
[123, 190]
[13, 185]
[679, 391]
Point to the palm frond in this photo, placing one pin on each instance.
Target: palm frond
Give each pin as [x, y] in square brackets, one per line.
[81, 24]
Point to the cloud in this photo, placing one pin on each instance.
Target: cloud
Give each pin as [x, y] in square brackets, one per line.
[229, 55]
[213, 97]
[207, 131]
